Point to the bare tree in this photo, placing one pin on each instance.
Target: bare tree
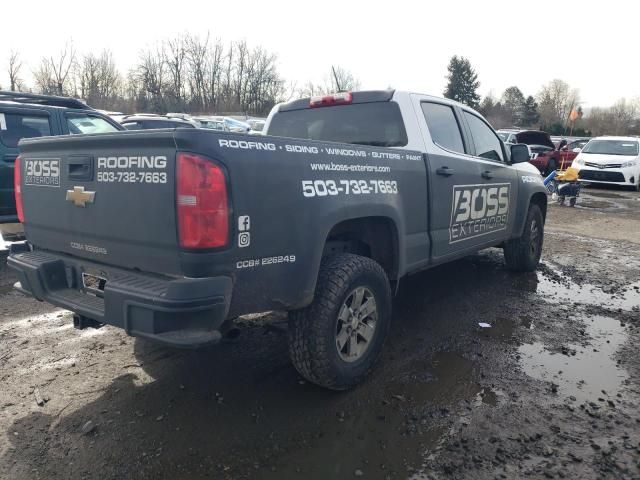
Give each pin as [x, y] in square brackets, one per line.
[622, 118]
[15, 64]
[98, 79]
[152, 76]
[174, 53]
[54, 73]
[555, 102]
[343, 79]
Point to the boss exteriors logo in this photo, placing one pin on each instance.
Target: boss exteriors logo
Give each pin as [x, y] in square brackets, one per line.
[478, 210]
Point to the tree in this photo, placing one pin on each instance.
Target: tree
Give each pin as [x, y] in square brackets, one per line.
[345, 79]
[495, 113]
[530, 115]
[97, 79]
[463, 82]
[555, 102]
[15, 64]
[513, 102]
[53, 77]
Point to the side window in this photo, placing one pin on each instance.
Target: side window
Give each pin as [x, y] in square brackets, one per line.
[81, 123]
[443, 126]
[486, 141]
[15, 126]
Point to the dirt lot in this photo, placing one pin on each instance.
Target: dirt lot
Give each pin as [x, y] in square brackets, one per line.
[551, 390]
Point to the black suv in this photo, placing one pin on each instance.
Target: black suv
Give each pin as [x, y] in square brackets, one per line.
[27, 115]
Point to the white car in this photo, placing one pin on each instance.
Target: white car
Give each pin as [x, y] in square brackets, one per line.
[614, 160]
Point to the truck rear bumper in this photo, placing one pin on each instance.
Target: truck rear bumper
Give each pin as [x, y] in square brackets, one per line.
[181, 312]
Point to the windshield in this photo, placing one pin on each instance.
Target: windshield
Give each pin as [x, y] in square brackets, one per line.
[611, 147]
[376, 123]
[89, 124]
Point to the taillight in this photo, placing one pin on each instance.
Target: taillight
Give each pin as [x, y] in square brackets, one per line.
[342, 98]
[202, 206]
[17, 187]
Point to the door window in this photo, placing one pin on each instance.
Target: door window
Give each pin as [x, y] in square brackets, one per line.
[484, 138]
[443, 126]
[82, 123]
[15, 126]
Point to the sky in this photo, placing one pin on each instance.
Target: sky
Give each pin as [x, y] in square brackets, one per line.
[594, 46]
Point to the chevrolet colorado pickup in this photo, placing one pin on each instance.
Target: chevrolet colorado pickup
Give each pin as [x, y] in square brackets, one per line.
[170, 234]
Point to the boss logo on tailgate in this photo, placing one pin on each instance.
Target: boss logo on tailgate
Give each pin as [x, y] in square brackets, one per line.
[478, 210]
[43, 172]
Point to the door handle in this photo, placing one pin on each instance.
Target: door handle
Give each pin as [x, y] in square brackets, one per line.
[80, 168]
[445, 171]
[487, 174]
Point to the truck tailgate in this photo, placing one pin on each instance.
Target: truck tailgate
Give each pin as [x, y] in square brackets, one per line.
[107, 198]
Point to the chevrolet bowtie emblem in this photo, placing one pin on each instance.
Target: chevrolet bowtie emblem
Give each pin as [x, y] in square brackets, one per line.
[79, 197]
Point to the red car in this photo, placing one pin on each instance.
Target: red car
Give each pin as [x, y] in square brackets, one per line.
[544, 154]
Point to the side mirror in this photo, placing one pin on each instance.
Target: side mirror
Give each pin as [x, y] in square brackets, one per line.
[519, 153]
[576, 150]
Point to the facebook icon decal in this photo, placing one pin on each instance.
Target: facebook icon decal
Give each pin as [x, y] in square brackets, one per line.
[244, 223]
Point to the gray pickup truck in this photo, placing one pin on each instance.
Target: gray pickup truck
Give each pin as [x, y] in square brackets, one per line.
[171, 234]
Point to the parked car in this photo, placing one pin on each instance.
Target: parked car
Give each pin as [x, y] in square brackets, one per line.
[508, 135]
[211, 123]
[541, 147]
[614, 160]
[147, 121]
[256, 124]
[178, 232]
[234, 125]
[27, 115]
[567, 151]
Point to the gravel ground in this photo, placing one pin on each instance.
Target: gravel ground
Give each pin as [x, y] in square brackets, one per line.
[550, 390]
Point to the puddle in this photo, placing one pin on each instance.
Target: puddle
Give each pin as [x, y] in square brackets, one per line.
[564, 290]
[606, 195]
[592, 369]
[448, 378]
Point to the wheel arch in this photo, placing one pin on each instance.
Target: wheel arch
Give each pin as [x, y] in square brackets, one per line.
[375, 237]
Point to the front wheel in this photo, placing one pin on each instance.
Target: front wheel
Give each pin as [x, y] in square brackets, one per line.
[523, 254]
[335, 341]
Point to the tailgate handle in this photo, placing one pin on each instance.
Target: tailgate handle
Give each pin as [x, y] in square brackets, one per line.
[80, 168]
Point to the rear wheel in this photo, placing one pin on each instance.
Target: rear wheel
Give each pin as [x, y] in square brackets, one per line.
[336, 340]
[523, 254]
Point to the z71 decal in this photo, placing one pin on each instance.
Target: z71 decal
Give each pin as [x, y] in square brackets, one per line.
[478, 210]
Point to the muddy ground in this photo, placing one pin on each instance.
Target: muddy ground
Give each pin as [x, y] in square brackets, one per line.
[550, 390]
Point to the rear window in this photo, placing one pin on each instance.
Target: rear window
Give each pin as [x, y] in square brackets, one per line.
[377, 124]
[612, 147]
[15, 126]
[80, 123]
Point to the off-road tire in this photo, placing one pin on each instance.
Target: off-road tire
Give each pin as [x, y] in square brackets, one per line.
[312, 330]
[520, 254]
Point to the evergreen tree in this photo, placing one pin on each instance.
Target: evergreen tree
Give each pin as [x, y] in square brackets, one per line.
[463, 82]
[513, 101]
[530, 115]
